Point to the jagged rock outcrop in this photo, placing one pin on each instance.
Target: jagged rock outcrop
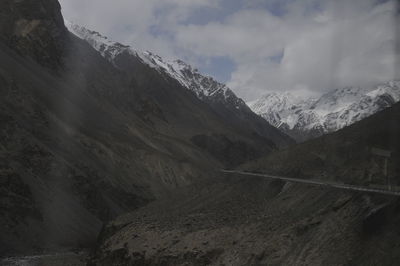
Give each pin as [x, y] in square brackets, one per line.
[34, 28]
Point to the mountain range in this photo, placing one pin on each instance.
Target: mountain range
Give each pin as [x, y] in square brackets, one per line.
[117, 151]
[205, 87]
[89, 132]
[307, 118]
[216, 95]
[254, 220]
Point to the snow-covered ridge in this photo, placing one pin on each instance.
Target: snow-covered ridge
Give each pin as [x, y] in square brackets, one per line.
[332, 111]
[205, 87]
[102, 44]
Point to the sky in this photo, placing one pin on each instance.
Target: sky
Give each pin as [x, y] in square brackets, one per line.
[306, 47]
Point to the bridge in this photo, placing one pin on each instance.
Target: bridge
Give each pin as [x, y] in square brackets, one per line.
[317, 183]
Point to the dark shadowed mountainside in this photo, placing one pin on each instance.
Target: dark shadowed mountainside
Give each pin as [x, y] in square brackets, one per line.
[242, 220]
[86, 142]
[221, 99]
[82, 141]
[235, 220]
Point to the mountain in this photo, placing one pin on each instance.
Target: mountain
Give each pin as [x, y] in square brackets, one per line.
[89, 145]
[205, 87]
[350, 155]
[218, 96]
[304, 119]
[243, 220]
[84, 139]
[34, 29]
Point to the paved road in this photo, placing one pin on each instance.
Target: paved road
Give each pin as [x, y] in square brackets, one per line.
[318, 183]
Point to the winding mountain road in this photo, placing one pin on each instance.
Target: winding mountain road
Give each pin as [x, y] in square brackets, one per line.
[317, 182]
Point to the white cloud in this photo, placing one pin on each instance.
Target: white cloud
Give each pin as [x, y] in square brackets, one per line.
[347, 43]
[132, 21]
[325, 44]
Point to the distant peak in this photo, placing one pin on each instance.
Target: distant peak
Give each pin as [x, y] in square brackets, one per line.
[278, 97]
[332, 111]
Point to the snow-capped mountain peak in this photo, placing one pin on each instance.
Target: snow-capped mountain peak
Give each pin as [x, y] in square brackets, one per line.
[220, 99]
[279, 109]
[332, 111]
[273, 101]
[202, 85]
[102, 44]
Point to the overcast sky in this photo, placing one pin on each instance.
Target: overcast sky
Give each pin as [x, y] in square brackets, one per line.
[256, 46]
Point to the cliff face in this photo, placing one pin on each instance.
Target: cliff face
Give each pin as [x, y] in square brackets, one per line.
[34, 28]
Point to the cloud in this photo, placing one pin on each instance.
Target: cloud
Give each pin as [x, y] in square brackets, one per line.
[341, 43]
[143, 24]
[305, 46]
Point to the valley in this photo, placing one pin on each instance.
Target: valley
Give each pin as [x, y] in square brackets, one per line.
[115, 156]
[237, 220]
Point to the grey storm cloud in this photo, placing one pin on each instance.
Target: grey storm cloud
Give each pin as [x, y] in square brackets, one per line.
[311, 47]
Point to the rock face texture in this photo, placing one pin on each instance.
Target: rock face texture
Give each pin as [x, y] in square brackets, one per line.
[83, 140]
[236, 220]
[253, 221]
[310, 118]
[34, 28]
[216, 95]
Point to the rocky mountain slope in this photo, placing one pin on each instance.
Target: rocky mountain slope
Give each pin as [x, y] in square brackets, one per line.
[348, 155]
[83, 140]
[304, 119]
[205, 87]
[216, 95]
[236, 220]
